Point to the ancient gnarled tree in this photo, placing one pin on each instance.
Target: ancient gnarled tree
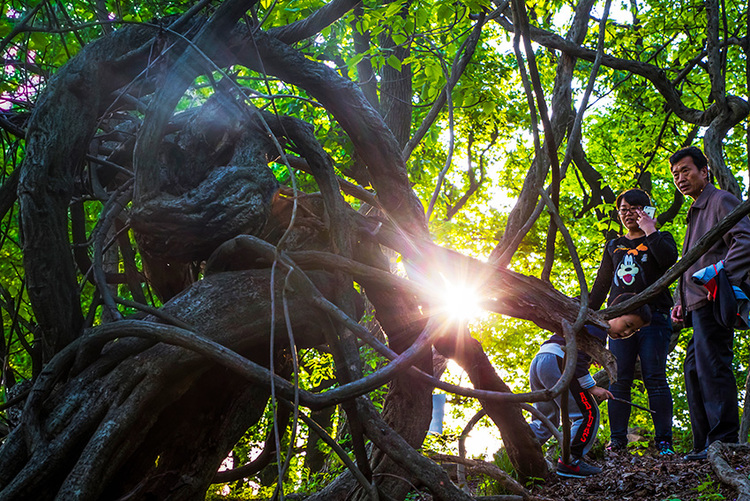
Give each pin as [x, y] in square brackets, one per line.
[211, 204]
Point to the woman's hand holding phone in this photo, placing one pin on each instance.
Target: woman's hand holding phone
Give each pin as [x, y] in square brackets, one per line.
[646, 220]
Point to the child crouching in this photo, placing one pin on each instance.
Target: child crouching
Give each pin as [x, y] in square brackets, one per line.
[546, 369]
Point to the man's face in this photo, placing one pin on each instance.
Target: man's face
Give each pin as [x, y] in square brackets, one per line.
[688, 178]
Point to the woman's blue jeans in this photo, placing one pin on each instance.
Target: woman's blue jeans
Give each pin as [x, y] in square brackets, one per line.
[651, 344]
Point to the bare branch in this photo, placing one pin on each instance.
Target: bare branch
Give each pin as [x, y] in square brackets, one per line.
[651, 72]
[466, 52]
[402, 453]
[451, 143]
[311, 26]
[491, 471]
[474, 184]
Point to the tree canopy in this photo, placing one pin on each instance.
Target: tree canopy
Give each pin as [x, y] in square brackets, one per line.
[229, 227]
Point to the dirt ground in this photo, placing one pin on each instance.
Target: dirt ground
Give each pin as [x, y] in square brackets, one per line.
[643, 475]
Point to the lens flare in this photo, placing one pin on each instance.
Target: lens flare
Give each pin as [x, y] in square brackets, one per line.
[460, 302]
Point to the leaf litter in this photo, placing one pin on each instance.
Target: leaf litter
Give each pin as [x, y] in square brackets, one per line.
[644, 475]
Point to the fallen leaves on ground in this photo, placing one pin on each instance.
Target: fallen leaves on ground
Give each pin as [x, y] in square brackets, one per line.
[643, 475]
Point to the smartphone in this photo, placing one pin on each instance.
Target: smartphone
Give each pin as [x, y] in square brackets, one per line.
[649, 211]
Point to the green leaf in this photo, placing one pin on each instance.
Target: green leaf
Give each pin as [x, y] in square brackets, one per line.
[351, 63]
[423, 15]
[445, 11]
[394, 62]
[431, 71]
[393, 9]
[399, 38]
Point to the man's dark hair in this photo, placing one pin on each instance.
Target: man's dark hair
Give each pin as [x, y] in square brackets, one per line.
[699, 159]
[634, 196]
[643, 311]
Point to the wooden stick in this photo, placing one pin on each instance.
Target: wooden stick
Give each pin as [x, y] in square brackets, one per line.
[631, 403]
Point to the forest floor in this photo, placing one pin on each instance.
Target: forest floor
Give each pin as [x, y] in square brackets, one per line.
[643, 475]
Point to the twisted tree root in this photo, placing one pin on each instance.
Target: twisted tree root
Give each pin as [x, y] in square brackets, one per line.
[716, 456]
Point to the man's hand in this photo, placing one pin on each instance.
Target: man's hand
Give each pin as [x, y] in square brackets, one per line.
[600, 393]
[677, 313]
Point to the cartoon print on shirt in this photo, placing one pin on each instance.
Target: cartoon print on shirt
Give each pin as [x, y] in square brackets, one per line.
[627, 270]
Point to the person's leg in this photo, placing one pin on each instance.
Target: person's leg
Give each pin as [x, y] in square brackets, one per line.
[584, 417]
[625, 351]
[653, 348]
[713, 358]
[543, 374]
[698, 418]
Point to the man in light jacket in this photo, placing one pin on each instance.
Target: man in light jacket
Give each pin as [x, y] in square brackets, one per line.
[710, 382]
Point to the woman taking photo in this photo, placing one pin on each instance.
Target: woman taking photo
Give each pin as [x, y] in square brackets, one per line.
[631, 263]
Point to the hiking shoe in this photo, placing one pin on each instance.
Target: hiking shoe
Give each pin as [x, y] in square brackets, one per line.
[576, 469]
[665, 448]
[696, 455]
[617, 445]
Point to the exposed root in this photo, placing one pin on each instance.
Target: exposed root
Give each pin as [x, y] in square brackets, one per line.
[489, 469]
[718, 453]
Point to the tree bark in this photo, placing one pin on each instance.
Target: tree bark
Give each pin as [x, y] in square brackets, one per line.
[139, 401]
[59, 131]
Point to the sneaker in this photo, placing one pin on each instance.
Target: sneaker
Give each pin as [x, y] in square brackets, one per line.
[576, 469]
[696, 455]
[665, 448]
[617, 445]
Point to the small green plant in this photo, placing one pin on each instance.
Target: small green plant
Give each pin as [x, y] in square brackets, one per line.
[708, 490]
[533, 482]
[490, 487]
[638, 446]
[502, 461]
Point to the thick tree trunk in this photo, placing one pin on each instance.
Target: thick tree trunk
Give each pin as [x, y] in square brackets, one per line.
[60, 128]
[523, 449]
[396, 86]
[145, 417]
